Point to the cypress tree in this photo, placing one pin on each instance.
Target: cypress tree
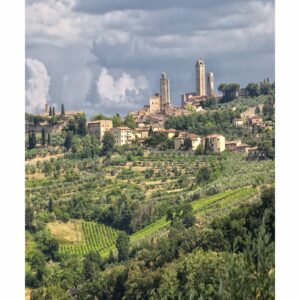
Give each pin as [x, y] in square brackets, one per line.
[68, 141]
[48, 139]
[62, 110]
[43, 137]
[50, 205]
[32, 140]
[150, 132]
[50, 111]
[53, 111]
[122, 244]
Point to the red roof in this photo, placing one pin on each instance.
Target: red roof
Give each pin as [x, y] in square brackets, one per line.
[214, 136]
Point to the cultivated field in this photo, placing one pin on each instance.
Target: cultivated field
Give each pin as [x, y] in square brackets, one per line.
[86, 194]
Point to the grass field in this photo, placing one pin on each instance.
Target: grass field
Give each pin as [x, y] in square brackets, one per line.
[67, 232]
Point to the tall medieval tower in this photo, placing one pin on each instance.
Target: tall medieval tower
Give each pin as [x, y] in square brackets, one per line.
[165, 98]
[210, 84]
[200, 78]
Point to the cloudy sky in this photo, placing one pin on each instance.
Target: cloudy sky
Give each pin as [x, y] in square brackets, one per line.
[107, 55]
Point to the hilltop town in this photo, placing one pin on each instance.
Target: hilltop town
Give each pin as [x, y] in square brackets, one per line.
[151, 126]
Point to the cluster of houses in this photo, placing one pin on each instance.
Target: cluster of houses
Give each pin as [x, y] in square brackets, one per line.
[125, 135]
[47, 124]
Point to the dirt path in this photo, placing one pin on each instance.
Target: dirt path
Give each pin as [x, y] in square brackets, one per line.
[35, 160]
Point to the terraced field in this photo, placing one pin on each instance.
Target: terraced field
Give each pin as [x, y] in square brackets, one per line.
[92, 189]
[99, 237]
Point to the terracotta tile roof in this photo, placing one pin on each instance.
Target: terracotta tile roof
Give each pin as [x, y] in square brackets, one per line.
[167, 130]
[123, 128]
[214, 136]
[243, 146]
[253, 148]
[97, 121]
[232, 142]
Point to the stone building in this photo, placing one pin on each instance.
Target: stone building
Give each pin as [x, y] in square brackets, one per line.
[238, 122]
[99, 127]
[123, 135]
[165, 98]
[168, 133]
[231, 145]
[216, 142]
[200, 78]
[255, 120]
[154, 104]
[195, 139]
[142, 132]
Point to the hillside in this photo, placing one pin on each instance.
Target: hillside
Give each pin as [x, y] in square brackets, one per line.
[76, 209]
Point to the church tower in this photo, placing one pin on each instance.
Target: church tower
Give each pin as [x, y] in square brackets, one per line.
[200, 78]
[165, 98]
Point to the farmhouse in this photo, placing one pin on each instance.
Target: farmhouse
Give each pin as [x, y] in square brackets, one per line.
[123, 135]
[182, 136]
[231, 145]
[255, 120]
[99, 127]
[243, 148]
[216, 142]
[142, 132]
[238, 122]
[169, 133]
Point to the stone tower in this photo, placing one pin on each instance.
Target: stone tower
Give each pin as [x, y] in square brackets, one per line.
[200, 78]
[210, 84]
[165, 98]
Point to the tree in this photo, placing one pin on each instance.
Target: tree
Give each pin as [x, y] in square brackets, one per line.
[108, 143]
[187, 144]
[53, 111]
[99, 116]
[268, 109]
[204, 175]
[31, 140]
[150, 132]
[257, 110]
[116, 120]
[111, 257]
[199, 150]
[43, 137]
[182, 213]
[122, 244]
[266, 88]
[49, 139]
[92, 265]
[208, 148]
[253, 89]
[29, 218]
[50, 205]
[129, 121]
[82, 125]
[230, 91]
[68, 140]
[62, 110]
[50, 111]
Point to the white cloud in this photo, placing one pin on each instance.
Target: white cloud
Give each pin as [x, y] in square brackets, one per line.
[37, 85]
[122, 90]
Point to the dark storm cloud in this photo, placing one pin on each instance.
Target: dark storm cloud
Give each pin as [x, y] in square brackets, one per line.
[96, 6]
[80, 39]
